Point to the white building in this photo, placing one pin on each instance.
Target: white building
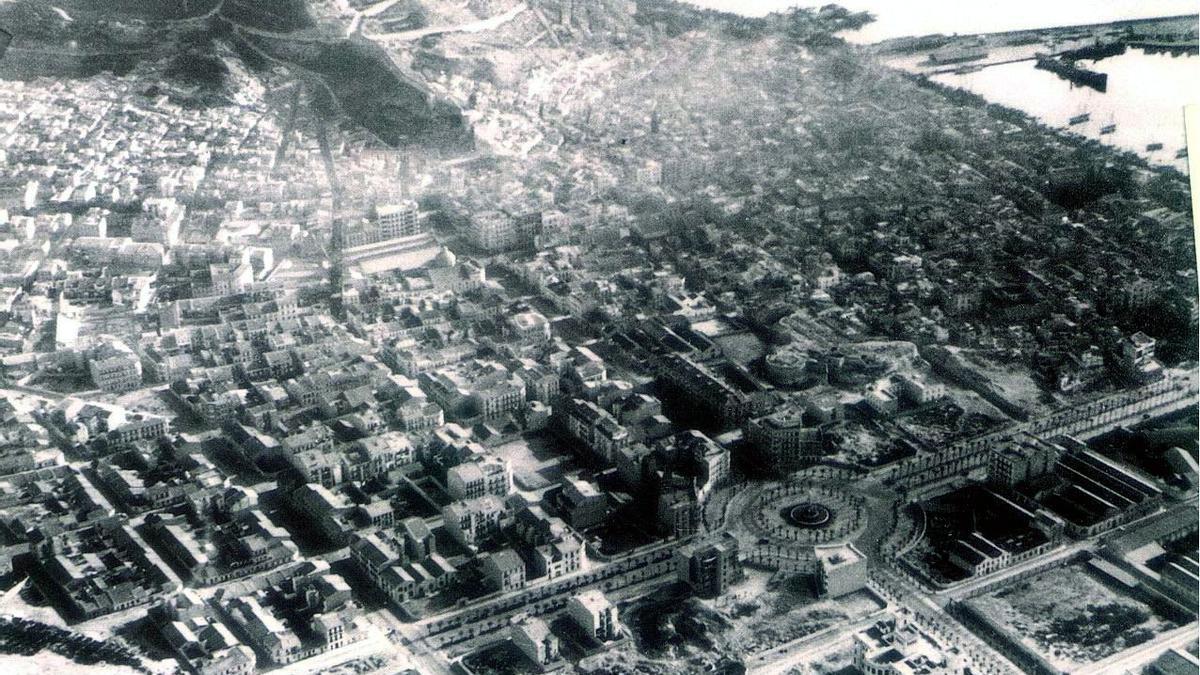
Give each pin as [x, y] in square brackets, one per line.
[471, 520]
[896, 647]
[594, 614]
[489, 476]
[533, 637]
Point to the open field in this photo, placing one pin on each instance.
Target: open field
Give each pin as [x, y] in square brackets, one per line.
[762, 617]
[1070, 618]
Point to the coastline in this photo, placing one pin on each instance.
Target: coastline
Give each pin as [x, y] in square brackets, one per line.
[1078, 141]
[1045, 29]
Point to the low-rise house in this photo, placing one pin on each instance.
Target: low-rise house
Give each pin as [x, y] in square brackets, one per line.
[199, 639]
[504, 570]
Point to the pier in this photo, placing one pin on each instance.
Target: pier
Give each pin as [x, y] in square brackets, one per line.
[1067, 70]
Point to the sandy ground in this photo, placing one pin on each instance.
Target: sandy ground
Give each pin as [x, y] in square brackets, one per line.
[1016, 382]
[48, 662]
[12, 604]
[773, 617]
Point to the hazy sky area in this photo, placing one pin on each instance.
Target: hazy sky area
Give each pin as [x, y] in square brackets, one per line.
[898, 18]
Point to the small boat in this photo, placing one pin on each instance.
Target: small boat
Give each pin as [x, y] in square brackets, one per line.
[1080, 119]
[1181, 153]
[1154, 146]
[1107, 129]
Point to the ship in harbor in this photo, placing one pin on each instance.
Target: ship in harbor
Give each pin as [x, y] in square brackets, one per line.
[1172, 47]
[1153, 147]
[1080, 118]
[1098, 50]
[1068, 70]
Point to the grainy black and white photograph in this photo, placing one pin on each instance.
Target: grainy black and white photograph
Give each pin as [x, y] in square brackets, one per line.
[599, 337]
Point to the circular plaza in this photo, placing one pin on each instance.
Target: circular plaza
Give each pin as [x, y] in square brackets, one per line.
[806, 513]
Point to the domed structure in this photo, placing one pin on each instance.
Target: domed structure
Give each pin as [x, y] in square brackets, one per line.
[445, 258]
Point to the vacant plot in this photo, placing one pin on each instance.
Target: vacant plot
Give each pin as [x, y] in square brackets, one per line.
[673, 634]
[867, 444]
[763, 616]
[1015, 382]
[503, 658]
[742, 348]
[1070, 618]
[536, 462]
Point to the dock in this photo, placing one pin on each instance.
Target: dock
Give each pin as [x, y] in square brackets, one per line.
[1068, 70]
[1170, 46]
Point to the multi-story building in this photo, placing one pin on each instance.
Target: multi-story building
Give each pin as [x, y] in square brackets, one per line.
[376, 455]
[1137, 356]
[582, 503]
[504, 570]
[595, 615]
[1022, 459]
[529, 327]
[310, 598]
[214, 553]
[921, 391]
[479, 388]
[487, 476]
[114, 367]
[472, 520]
[397, 220]
[783, 439]
[541, 383]
[389, 221]
[596, 427]
[710, 459]
[310, 452]
[496, 231]
[159, 222]
[326, 511]
[842, 570]
[710, 567]
[103, 568]
[416, 413]
[705, 389]
[678, 512]
[403, 567]
[533, 637]
[553, 549]
[230, 278]
[493, 231]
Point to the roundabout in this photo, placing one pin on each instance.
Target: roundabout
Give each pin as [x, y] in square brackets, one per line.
[780, 523]
[804, 512]
[807, 515]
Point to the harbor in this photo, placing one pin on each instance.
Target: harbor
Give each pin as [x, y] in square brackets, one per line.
[1112, 83]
